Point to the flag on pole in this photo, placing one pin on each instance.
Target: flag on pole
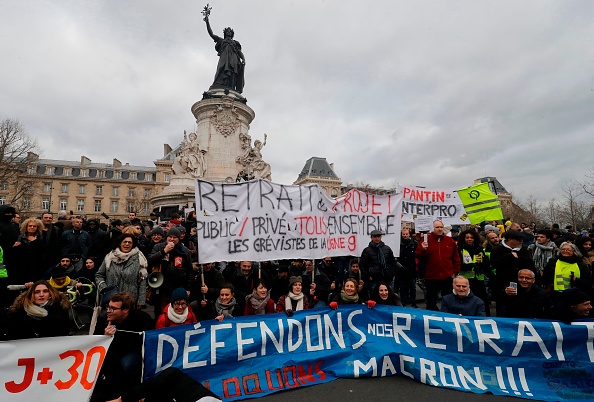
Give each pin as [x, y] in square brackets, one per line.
[480, 203]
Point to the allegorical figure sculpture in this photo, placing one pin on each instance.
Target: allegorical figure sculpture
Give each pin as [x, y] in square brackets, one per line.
[190, 161]
[251, 159]
[231, 65]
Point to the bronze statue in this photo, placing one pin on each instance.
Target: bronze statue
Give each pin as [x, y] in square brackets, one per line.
[231, 65]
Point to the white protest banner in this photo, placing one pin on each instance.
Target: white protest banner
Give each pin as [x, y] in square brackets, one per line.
[439, 204]
[51, 369]
[259, 220]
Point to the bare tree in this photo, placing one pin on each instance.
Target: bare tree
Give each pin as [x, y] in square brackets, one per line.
[574, 210]
[588, 185]
[17, 150]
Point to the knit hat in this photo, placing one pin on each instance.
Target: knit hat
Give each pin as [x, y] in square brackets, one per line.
[514, 235]
[489, 228]
[59, 272]
[574, 296]
[174, 232]
[294, 279]
[182, 229]
[158, 230]
[179, 294]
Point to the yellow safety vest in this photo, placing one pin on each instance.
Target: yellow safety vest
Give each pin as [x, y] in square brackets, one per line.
[563, 272]
[468, 259]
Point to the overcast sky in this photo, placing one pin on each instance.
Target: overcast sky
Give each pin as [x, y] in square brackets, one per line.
[428, 93]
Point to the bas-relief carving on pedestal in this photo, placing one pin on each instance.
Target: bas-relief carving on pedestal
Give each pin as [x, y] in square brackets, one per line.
[190, 162]
[225, 119]
[251, 159]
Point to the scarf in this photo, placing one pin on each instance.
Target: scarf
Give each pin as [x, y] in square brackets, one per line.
[177, 318]
[258, 303]
[349, 299]
[381, 258]
[35, 311]
[117, 256]
[589, 258]
[293, 297]
[542, 254]
[225, 309]
[55, 285]
[512, 249]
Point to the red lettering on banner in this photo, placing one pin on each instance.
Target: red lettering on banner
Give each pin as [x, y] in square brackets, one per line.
[335, 243]
[45, 375]
[312, 225]
[231, 381]
[72, 370]
[306, 377]
[319, 371]
[279, 379]
[14, 387]
[352, 243]
[256, 380]
[293, 371]
[373, 205]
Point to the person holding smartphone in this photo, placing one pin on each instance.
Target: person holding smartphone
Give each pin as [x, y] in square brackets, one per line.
[524, 299]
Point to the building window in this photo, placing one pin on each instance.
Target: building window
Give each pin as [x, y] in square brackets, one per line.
[31, 170]
[84, 173]
[131, 206]
[148, 177]
[166, 177]
[117, 175]
[115, 191]
[45, 204]
[64, 188]
[145, 207]
[101, 174]
[131, 192]
[334, 193]
[67, 172]
[63, 204]
[47, 187]
[26, 203]
[99, 190]
[4, 187]
[80, 205]
[132, 175]
[97, 205]
[2, 200]
[49, 170]
[147, 193]
[82, 189]
[114, 206]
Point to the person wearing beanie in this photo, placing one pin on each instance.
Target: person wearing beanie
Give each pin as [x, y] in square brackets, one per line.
[175, 262]
[507, 260]
[295, 299]
[574, 304]
[177, 312]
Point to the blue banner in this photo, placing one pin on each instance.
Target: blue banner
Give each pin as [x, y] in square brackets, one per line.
[251, 356]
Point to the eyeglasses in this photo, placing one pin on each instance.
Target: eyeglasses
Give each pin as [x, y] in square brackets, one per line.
[112, 308]
[180, 304]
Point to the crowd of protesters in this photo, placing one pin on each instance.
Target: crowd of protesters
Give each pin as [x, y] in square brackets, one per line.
[518, 269]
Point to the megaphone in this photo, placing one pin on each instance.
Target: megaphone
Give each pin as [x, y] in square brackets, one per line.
[155, 280]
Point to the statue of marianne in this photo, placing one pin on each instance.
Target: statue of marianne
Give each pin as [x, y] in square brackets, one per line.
[231, 65]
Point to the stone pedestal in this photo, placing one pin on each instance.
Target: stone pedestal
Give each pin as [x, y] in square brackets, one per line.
[221, 117]
[223, 122]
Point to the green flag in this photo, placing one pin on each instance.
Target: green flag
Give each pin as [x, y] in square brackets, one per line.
[480, 203]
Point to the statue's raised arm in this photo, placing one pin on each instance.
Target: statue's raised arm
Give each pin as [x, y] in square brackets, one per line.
[230, 69]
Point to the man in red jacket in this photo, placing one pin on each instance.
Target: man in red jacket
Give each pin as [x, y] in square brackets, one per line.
[440, 254]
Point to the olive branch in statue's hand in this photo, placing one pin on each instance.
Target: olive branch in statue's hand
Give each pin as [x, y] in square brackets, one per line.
[206, 11]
